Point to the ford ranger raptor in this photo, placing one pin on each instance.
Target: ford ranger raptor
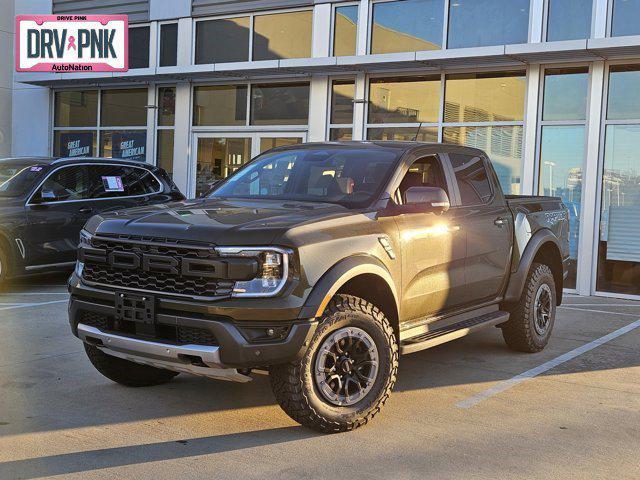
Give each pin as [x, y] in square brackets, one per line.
[320, 264]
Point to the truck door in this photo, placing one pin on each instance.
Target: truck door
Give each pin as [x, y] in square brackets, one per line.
[487, 221]
[433, 248]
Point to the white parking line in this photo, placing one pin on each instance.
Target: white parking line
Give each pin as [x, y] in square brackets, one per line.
[599, 311]
[529, 374]
[29, 305]
[33, 293]
[603, 304]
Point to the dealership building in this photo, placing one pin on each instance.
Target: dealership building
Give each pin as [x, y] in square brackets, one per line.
[550, 89]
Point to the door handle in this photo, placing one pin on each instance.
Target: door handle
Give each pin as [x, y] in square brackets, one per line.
[500, 222]
[85, 210]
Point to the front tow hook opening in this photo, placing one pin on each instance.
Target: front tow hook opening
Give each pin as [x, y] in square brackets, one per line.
[195, 360]
[96, 342]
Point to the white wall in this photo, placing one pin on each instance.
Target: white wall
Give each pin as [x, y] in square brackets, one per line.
[30, 112]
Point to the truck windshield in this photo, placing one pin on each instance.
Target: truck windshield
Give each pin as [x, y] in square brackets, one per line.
[18, 178]
[352, 177]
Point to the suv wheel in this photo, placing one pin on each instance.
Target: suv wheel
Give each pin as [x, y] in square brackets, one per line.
[125, 372]
[346, 374]
[531, 322]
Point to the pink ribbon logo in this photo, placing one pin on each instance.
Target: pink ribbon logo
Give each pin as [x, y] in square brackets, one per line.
[72, 43]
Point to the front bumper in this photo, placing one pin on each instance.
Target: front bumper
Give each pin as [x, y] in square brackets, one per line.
[232, 350]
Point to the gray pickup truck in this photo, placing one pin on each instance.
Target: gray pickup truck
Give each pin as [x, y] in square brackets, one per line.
[320, 264]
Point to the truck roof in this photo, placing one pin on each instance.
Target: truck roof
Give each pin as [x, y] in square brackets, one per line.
[401, 146]
[69, 160]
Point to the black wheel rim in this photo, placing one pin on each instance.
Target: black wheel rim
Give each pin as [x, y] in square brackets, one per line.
[542, 309]
[346, 366]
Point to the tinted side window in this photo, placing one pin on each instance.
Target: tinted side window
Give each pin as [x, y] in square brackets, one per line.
[472, 178]
[68, 183]
[109, 181]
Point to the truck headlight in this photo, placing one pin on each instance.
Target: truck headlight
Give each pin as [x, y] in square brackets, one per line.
[273, 270]
[85, 241]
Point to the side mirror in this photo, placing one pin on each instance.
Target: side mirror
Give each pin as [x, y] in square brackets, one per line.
[427, 199]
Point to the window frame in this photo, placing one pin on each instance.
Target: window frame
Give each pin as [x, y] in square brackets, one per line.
[491, 178]
[332, 33]
[251, 16]
[151, 29]
[330, 125]
[29, 202]
[98, 128]
[159, 42]
[158, 127]
[546, 17]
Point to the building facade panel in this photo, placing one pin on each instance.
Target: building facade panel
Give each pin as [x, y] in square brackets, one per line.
[138, 10]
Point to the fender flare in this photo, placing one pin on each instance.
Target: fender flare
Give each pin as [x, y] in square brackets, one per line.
[519, 277]
[338, 275]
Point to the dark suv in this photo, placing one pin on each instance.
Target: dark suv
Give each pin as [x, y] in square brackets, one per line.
[320, 263]
[44, 203]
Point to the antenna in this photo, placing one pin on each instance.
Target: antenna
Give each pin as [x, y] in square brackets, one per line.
[415, 137]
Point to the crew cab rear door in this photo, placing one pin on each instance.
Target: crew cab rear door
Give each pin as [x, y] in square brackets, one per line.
[487, 221]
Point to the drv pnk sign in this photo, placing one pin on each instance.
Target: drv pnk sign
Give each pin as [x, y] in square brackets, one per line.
[72, 43]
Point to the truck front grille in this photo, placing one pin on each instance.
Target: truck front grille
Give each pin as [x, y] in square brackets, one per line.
[163, 333]
[160, 282]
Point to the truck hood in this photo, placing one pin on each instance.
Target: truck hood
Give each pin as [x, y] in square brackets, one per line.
[216, 221]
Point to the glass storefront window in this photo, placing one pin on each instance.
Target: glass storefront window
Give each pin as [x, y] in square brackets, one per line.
[282, 35]
[267, 143]
[139, 47]
[503, 145]
[562, 154]
[164, 150]
[166, 106]
[233, 33]
[404, 99]
[345, 30]
[625, 18]
[485, 97]
[478, 23]
[74, 143]
[404, 134]
[569, 19]
[76, 108]
[624, 94]
[407, 26]
[218, 157]
[342, 95]
[124, 107]
[340, 134]
[220, 105]
[124, 144]
[618, 248]
[565, 94]
[280, 104]
[168, 45]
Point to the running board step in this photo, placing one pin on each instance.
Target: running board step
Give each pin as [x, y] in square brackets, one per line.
[452, 332]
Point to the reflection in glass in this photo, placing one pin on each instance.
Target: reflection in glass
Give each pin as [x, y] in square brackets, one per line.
[340, 134]
[624, 94]
[233, 33]
[561, 158]
[404, 99]
[625, 18]
[220, 105]
[164, 151]
[404, 134]
[342, 95]
[124, 107]
[125, 144]
[139, 47]
[345, 30]
[76, 108]
[485, 97]
[282, 35]
[168, 44]
[407, 26]
[218, 158]
[503, 144]
[565, 94]
[478, 23]
[267, 143]
[166, 106]
[619, 248]
[280, 104]
[569, 19]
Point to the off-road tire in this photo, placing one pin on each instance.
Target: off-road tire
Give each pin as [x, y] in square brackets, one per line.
[520, 332]
[5, 268]
[127, 373]
[294, 385]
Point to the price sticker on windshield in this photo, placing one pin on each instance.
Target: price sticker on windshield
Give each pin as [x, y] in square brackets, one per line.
[113, 184]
